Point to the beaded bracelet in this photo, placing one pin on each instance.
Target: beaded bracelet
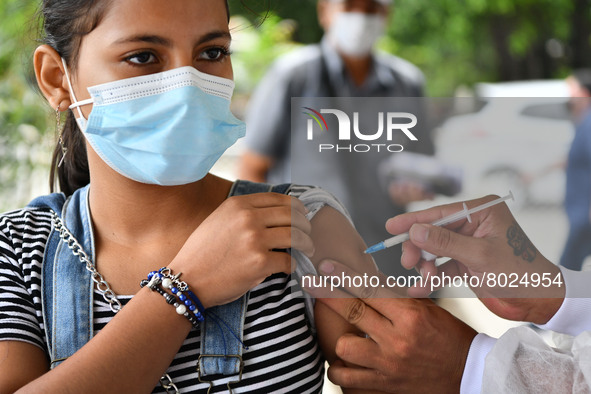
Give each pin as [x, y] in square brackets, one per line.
[177, 287]
[192, 308]
[196, 311]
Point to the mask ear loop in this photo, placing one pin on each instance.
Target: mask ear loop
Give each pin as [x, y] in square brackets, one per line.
[76, 104]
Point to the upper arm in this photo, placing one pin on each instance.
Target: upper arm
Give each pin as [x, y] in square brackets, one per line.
[20, 363]
[22, 354]
[335, 238]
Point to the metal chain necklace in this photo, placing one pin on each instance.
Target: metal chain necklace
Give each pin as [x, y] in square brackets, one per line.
[102, 286]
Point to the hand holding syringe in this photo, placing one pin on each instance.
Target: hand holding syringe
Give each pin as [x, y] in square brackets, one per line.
[463, 214]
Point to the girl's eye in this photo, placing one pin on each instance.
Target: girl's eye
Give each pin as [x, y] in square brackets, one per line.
[217, 53]
[142, 58]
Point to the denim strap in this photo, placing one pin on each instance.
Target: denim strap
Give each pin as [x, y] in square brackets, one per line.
[65, 282]
[67, 290]
[222, 330]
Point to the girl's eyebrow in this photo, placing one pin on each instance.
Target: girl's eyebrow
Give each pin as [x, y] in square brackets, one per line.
[155, 39]
[151, 39]
[214, 35]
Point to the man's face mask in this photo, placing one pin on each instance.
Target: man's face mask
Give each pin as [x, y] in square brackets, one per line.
[355, 33]
[166, 129]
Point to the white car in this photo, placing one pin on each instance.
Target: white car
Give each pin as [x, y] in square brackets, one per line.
[518, 140]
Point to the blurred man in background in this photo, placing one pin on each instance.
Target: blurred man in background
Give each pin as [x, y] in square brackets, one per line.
[344, 64]
[577, 200]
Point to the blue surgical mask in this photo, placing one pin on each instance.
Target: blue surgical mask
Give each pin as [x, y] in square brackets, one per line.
[164, 129]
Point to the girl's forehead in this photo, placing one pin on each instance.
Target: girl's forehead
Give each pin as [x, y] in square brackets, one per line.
[174, 16]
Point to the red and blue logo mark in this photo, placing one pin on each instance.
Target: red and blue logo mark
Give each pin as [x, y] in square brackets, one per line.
[317, 117]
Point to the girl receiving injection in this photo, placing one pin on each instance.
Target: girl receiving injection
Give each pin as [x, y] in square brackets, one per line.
[147, 273]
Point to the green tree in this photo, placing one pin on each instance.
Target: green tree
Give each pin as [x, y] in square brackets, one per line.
[463, 42]
[24, 143]
[467, 41]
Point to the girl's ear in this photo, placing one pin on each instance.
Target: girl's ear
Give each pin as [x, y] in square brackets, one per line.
[51, 77]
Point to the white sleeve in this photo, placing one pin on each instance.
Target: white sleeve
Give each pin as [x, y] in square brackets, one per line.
[521, 362]
[474, 368]
[574, 315]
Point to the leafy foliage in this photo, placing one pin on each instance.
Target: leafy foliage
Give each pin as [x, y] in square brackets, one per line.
[255, 47]
[463, 42]
[24, 145]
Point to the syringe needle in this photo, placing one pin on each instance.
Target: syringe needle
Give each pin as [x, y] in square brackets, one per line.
[454, 217]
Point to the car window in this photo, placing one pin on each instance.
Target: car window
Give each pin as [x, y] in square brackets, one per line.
[554, 111]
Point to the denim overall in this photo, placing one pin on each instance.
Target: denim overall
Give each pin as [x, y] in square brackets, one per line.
[67, 290]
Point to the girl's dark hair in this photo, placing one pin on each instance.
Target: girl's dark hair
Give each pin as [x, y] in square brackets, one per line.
[63, 25]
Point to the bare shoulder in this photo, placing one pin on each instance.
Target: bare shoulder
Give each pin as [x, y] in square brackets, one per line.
[336, 238]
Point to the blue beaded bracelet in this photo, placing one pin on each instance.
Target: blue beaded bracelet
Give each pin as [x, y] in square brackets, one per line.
[190, 306]
[170, 299]
[178, 287]
[188, 299]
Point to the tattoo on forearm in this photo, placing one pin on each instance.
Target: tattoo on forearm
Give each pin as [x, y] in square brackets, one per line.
[520, 244]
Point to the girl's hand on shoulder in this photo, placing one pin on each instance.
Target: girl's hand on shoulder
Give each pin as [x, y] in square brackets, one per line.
[241, 243]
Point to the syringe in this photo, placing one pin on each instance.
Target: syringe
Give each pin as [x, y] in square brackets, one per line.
[454, 217]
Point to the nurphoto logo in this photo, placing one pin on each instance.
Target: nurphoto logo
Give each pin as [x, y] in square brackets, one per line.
[389, 123]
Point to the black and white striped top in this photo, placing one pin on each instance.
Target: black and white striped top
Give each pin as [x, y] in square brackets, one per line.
[283, 355]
